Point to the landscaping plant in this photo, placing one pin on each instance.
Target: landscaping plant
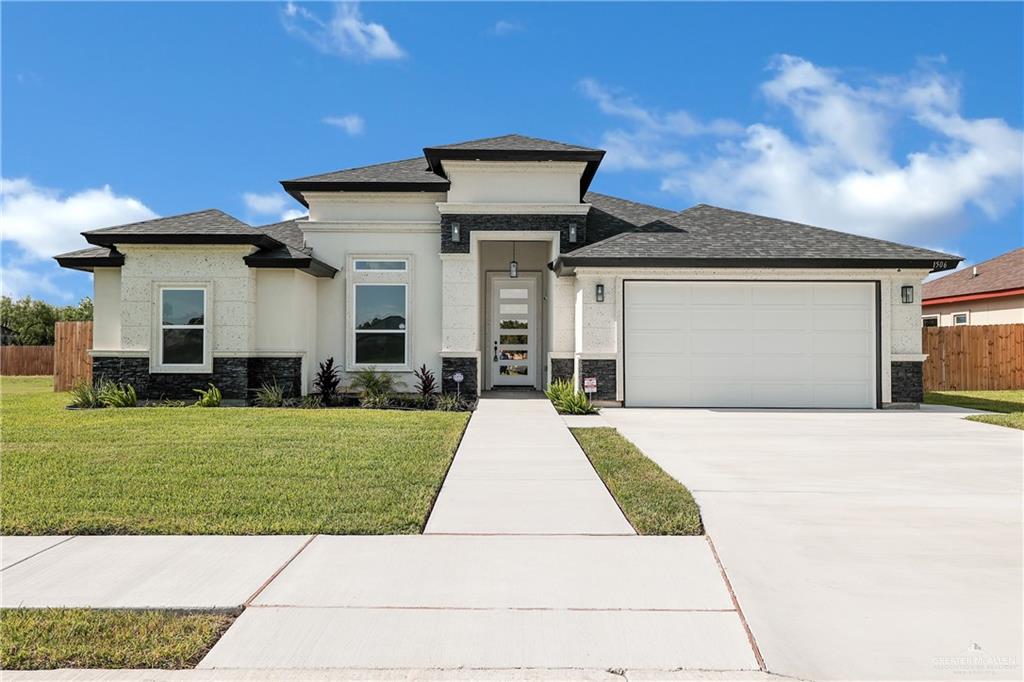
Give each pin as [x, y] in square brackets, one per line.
[209, 397]
[269, 395]
[450, 402]
[568, 399]
[327, 381]
[311, 402]
[373, 385]
[426, 383]
[111, 394]
[84, 394]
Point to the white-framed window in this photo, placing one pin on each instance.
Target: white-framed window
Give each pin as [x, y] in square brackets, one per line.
[929, 320]
[380, 325]
[960, 319]
[380, 265]
[182, 326]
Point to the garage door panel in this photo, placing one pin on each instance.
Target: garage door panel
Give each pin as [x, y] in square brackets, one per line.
[750, 344]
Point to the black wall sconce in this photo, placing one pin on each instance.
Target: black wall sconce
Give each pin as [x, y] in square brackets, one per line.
[599, 293]
[572, 232]
[907, 293]
[456, 232]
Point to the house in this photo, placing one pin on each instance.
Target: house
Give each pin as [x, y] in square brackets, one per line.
[988, 293]
[492, 263]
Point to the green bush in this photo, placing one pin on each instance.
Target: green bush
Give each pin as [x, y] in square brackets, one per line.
[269, 395]
[111, 394]
[209, 397]
[450, 402]
[375, 401]
[567, 399]
[369, 383]
[84, 394]
[312, 401]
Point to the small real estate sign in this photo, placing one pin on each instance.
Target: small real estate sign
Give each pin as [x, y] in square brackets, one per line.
[590, 384]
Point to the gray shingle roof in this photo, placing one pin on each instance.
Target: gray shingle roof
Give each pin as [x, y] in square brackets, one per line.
[407, 170]
[292, 251]
[611, 215]
[211, 226]
[92, 257]
[514, 142]
[996, 274]
[705, 235]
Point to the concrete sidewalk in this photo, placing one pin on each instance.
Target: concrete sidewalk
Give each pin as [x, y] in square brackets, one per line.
[520, 471]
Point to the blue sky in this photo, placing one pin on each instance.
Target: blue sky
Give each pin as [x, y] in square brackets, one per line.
[898, 121]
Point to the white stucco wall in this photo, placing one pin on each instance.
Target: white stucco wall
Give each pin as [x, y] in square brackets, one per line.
[1005, 310]
[368, 208]
[285, 323]
[598, 328]
[231, 285]
[521, 182]
[106, 318]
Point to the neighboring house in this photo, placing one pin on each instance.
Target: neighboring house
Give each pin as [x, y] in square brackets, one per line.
[988, 293]
[490, 259]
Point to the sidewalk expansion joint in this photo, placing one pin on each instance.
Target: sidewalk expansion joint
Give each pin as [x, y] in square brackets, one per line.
[736, 604]
[585, 609]
[248, 602]
[35, 554]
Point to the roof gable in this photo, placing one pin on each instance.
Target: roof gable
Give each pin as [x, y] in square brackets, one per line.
[211, 226]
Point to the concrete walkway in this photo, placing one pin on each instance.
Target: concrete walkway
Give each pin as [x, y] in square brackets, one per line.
[520, 471]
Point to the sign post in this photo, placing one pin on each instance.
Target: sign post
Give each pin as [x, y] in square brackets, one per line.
[457, 378]
[590, 386]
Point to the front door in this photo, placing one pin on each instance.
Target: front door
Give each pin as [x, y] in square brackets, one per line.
[514, 330]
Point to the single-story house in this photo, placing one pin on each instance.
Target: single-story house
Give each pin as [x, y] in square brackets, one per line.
[492, 263]
[991, 292]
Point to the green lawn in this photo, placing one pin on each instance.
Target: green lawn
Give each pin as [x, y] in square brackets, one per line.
[1009, 403]
[221, 470]
[45, 639]
[654, 502]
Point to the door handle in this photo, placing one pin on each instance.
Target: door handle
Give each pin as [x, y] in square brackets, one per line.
[495, 351]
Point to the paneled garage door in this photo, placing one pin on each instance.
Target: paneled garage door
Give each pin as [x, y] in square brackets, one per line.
[750, 344]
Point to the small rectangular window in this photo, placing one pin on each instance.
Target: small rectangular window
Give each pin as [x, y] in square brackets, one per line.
[959, 319]
[182, 326]
[380, 265]
[930, 321]
[380, 324]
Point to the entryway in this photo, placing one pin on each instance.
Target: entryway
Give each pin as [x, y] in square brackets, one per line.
[514, 329]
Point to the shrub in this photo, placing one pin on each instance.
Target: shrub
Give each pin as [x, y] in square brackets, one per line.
[567, 399]
[116, 395]
[209, 397]
[327, 381]
[269, 395]
[311, 402]
[84, 394]
[426, 382]
[167, 402]
[370, 383]
[375, 401]
[450, 402]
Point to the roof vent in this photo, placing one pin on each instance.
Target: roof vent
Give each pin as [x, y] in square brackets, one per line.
[974, 271]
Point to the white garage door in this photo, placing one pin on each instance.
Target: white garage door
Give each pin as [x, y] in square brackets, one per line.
[750, 344]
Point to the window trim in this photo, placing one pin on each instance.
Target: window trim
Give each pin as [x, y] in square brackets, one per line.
[938, 321]
[358, 278]
[157, 364]
[967, 318]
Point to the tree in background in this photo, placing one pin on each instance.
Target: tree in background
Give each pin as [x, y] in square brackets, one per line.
[33, 321]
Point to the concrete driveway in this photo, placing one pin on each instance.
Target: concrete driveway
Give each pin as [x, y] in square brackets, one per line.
[861, 545]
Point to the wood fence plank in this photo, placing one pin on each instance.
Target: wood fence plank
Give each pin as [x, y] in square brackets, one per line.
[973, 358]
[72, 362]
[26, 360]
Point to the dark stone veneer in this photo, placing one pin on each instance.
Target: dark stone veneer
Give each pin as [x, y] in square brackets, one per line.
[604, 370]
[235, 377]
[561, 368]
[491, 222]
[466, 365]
[907, 381]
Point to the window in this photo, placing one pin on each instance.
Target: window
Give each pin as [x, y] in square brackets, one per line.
[930, 321]
[960, 319]
[182, 326]
[380, 324]
[380, 265]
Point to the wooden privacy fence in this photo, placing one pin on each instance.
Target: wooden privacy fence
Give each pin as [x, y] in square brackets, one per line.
[72, 362]
[18, 361]
[966, 358]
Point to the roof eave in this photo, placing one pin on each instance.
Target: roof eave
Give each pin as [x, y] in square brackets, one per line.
[310, 265]
[565, 262]
[111, 240]
[86, 264]
[296, 188]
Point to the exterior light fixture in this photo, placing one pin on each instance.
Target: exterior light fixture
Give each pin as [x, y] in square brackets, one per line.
[572, 232]
[599, 293]
[513, 266]
[907, 293]
[456, 232]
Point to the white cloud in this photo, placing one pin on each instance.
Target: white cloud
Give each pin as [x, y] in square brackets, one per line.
[18, 281]
[352, 124]
[503, 27]
[345, 34]
[44, 222]
[837, 167]
[274, 204]
[647, 143]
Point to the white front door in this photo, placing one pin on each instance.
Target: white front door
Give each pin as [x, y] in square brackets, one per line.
[512, 347]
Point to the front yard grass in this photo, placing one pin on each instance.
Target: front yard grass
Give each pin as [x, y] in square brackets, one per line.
[46, 639]
[1009, 403]
[654, 502]
[233, 471]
